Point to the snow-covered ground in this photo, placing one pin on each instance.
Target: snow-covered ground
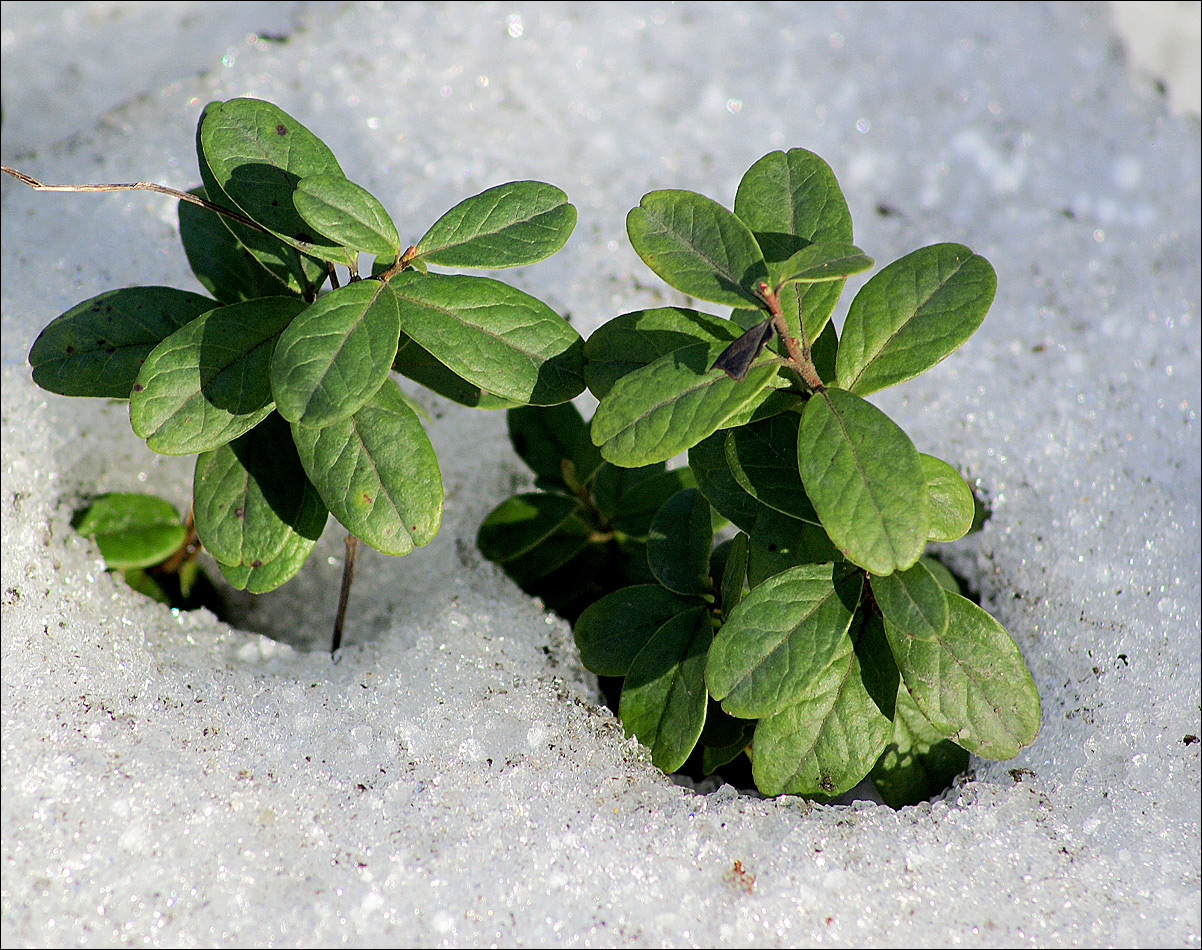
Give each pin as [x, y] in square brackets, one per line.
[452, 779]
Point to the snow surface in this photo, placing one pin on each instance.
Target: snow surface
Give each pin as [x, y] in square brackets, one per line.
[452, 779]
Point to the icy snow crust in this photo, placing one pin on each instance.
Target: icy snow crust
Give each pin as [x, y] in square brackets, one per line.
[452, 779]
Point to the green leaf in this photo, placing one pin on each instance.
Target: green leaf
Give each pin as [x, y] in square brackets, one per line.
[679, 542]
[520, 523]
[723, 739]
[550, 554]
[222, 263]
[817, 263]
[301, 273]
[554, 442]
[864, 479]
[790, 200]
[663, 697]
[823, 352]
[337, 354]
[633, 340]
[827, 742]
[270, 575]
[418, 364]
[707, 459]
[612, 483]
[779, 543]
[672, 404]
[918, 763]
[612, 631]
[258, 154]
[347, 214]
[779, 644]
[638, 505]
[912, 314]
[251, 496]
[913, 601]
[951, 503]
[970, 682]
[377, 473]
[698, 247]
[762, 457]
[519, 222]
[734, 573]
[493, 335]
[208, 382]
[131, 530]
[97, 347]
[947, 580]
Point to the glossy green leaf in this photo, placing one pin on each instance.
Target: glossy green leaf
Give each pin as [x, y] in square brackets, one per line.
[913, 601]
[493, 335]
[250, 496]
[663, 699]
[377, 473]
[633, 340]
[226, 267]
[301, 273]
[971, 682]
[346, 214]
[268, 576]
[723, 739]
[612, 631]
[824, 352]
[781, 641]
[554, 442]
[918, 763]
[951, 502]
[337, 354]
[734, 573]
[417, 363]
[639, 503]
[258, 154]
[863, 476]
[707, 459]
[131, 530]
[611, 483]
[521, 522]
[817, 263]
[679, 543]
[912, 314]
[698, 247]
[825, 743]
[98, 347]
[550, 554]
[762, 457]
[779, 543]
[672, 404]
[519, 222]
[209, 382]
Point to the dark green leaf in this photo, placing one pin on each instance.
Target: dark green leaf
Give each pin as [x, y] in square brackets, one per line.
[672, 404]
[209, 382]
[251, 496]
[823, 353]
[346, 214]
[734, 572]
[131, 530]
[223, 264]
[780, 643]
[612, 483]
[818, 263]
[723, 739]
[698, 247]
[554, 442]
[918, 763]
[97, 347]
[336, 355]
[663, 697]
[639, 503]
[377, 473]
[493, 335]
[762, 457]
[519, 523]
[612, 631]
[825, 743]
[951, 502]
[550, 554]
[632, 340]
[864, 479]
[912, 314]
[679, 542]
[970, 682]
[707, 459]
[519, 222]
[779, 543]
[418, 364]
[258, 154]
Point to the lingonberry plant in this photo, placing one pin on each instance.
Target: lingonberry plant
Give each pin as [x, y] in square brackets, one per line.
[279, 384]
[819, 640]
